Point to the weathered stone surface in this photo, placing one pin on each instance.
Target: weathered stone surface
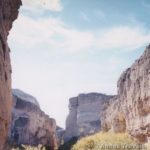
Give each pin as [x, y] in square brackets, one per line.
[30, 125]
[131, 110]
[8, 13]
[113, 118]
[83, 118]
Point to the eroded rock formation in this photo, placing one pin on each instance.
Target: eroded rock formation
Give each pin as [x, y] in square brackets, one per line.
[30, 125]
[8, 13]
[131, 110]
[83, 118]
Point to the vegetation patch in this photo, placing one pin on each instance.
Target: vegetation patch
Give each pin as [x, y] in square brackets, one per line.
[108, 141]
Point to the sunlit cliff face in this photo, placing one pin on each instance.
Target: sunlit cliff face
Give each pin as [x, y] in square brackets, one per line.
[53, 5]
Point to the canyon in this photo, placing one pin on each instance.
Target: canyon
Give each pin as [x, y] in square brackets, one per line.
[128, 111]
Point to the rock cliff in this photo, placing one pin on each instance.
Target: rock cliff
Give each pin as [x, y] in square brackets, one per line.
[8, 13]
[84, 111]
[30, 125]
[131, 110]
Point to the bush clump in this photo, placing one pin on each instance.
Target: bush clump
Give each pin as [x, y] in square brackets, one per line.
[108, 141]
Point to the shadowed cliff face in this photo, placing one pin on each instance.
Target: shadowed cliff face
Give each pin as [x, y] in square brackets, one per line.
[30, 125]
[131, 110]
[8, 13]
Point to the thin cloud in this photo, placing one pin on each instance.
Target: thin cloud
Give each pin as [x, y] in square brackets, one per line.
[53, 5]
[123, 38]
[57, 35]
[54, 32]
[84, 16]
[100, 14]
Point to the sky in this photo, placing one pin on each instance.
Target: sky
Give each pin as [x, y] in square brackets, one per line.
[60, 48]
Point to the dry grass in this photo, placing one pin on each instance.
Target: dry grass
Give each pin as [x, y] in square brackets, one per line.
[108, 141]
[148, 146]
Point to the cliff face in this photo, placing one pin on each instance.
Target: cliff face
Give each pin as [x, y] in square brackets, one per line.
[30, 125]
[132, 108]
[83, 118]
[8, 13]
[113, 118]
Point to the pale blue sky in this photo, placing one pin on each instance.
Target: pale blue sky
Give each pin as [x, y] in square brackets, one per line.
[61, 48]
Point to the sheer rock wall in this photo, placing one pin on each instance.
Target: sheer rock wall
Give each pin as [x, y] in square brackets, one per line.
[131, 110]
[8, 13]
